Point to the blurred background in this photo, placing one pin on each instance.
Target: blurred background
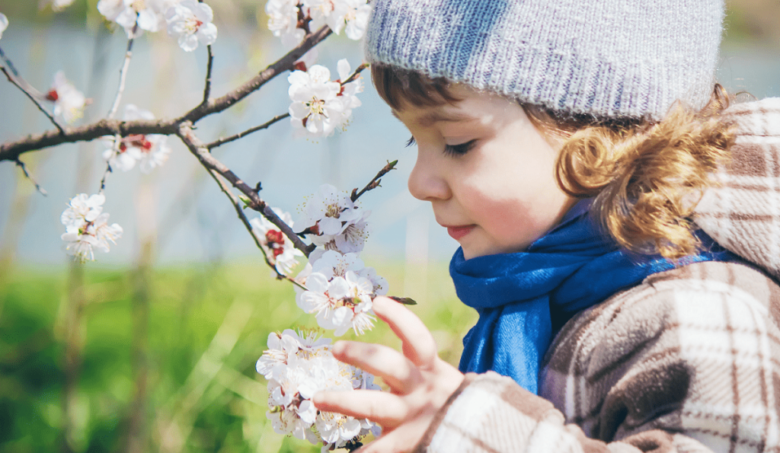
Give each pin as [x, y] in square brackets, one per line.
[152, 347]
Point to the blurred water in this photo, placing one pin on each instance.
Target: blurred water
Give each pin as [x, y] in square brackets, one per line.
[191, 218]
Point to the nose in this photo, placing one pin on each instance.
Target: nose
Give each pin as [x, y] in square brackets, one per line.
[428, 180]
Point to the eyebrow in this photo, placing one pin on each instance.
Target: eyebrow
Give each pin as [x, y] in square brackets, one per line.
[438, 116]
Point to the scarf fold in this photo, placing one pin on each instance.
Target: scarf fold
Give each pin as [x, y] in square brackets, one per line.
[522, 297]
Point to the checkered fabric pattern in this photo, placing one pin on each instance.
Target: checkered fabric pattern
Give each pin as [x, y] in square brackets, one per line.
[743, 214]
[687, 361]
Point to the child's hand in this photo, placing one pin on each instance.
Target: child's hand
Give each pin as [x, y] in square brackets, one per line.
[420, 381]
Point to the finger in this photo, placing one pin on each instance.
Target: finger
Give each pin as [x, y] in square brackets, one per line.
[399, 440]
[383, 408]
[396, 370]
[418, 343]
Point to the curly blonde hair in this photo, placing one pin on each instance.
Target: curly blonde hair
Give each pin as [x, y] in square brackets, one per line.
[645, 177]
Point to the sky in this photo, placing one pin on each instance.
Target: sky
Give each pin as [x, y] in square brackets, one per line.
[177, 205]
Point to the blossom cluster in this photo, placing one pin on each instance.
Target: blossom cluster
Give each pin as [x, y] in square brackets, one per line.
[320, 105]
[288, 18]
[188, 20]
[299, 364]
[339, 288]
[87, 227]
[149, 151]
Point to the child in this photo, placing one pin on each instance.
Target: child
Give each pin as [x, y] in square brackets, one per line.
[566, 146]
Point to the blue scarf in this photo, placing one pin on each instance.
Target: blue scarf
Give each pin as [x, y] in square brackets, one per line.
[522, 297]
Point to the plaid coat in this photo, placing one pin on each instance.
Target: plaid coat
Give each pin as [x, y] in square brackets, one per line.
[687, 361]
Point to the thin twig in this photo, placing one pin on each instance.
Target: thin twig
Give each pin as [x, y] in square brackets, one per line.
[105, 175]
[355, 74]
[286, 63]
[123, 72]
[374, 182]
[265, 125]
[199, 150]
[239, 207]
[19, 79]
[32, 98]
[9, 63]
[40, 189]
[209, 65]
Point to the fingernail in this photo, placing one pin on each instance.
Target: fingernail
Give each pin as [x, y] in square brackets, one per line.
[404, 300]
[338, 347]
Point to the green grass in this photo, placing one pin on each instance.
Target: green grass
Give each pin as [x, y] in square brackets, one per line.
[207, 325]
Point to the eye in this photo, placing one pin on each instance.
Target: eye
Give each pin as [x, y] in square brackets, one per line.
[459, 150]
[410, 142]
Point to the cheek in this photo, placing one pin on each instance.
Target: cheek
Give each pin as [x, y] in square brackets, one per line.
[516, 200]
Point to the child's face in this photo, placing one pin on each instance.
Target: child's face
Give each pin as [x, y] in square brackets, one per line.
[487, 171]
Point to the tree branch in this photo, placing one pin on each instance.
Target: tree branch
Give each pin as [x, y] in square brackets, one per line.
[123, 72]
[32, 98]
[12, 150]
[374, 182]
[199, 150]
[265, 125]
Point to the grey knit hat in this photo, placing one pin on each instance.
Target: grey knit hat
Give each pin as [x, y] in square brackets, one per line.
[608, 58]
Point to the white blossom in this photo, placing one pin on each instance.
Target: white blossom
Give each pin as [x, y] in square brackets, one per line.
[315, 101]
[82, 209]
[379, 283]
[334, 264]
[326, 299]
[68, 102]
[334, 427]
[278, 247]
[349, 91]
[350, 240]
[3, 24]
[337, 14]
[339, 303]
[283, 19]
[150, 151]
[360, 294]
[190, 21]
[105, 233]
[87, 227]
[283, 23]
[352, 13]
[329, 211]
[321, 13]
[320, 105]
[56, 5]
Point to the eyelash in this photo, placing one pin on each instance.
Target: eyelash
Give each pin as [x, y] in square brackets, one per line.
[450, 150]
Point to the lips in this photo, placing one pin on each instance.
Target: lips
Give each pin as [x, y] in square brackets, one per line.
[457, 232]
